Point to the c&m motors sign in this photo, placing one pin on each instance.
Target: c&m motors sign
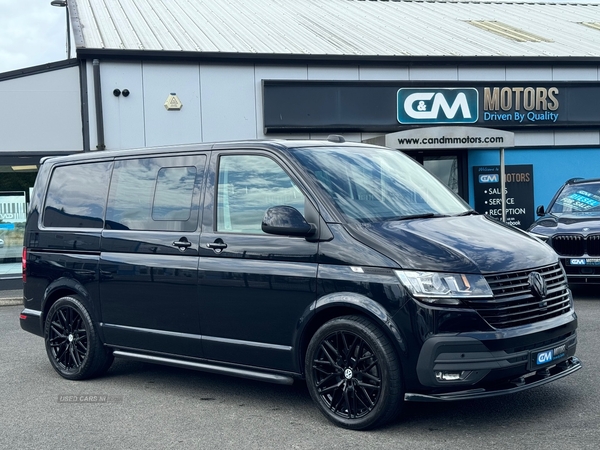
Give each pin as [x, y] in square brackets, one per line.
[438, 106]
[306, 106]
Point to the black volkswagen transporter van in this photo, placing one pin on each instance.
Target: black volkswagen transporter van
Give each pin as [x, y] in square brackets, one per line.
[343, 264]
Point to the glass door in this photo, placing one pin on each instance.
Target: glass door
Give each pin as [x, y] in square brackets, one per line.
[15, 183]
[449, 167]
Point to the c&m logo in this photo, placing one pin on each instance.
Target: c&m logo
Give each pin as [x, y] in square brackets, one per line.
[544, 357]
[489, 178]
[438, 105]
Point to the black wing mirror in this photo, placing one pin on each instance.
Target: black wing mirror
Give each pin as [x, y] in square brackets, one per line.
[286, 221]
[540, 211]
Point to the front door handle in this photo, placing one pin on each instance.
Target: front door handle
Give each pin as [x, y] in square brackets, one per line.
[218, 246]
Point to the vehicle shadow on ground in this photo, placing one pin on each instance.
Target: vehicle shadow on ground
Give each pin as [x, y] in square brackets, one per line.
[525, 408]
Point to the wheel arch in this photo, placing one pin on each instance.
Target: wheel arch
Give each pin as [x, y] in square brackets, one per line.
[63, 287]
[341, 304]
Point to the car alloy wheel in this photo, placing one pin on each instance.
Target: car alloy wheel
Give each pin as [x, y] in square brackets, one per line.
[72, 343]
[353, 373]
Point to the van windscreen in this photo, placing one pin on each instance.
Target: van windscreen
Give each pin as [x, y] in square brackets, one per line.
[370, 184]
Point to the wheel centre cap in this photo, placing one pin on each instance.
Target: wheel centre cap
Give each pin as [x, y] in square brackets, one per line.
[348, 374]
[70, 338]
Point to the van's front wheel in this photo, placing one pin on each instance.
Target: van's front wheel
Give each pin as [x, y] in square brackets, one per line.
[353, 373]
[72, 343]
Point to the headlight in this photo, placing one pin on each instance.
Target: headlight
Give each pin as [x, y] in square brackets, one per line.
[444, 288]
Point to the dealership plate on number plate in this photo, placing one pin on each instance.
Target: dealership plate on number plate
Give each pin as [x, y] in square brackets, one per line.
[547, 356]
[584, 261]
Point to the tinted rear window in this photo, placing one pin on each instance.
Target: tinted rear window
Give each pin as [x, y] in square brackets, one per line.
[77, 196]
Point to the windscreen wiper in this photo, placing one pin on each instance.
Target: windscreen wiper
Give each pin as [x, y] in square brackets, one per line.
[416, 216]
[470, 212]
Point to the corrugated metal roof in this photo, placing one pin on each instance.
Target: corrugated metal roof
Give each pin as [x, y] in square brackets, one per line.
[359, 28]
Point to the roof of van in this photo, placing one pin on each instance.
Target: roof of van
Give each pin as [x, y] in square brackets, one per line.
[337, 29]
[274, 144]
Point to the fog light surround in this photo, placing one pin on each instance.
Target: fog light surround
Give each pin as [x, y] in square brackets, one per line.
[445, 376]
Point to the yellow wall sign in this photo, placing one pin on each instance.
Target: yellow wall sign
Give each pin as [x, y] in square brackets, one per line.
[173, 103]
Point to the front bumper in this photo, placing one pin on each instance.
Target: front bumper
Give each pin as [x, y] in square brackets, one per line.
[581, 269]
[539, 378]
[484, 364]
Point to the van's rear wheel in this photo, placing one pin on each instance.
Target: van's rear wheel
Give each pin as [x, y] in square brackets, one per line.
[72, 343]
[353, 373]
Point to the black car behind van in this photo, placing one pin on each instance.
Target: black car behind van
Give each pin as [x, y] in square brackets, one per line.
[346, 265]
[571, 226]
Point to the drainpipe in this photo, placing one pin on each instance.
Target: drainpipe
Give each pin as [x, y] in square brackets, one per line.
[98, 102]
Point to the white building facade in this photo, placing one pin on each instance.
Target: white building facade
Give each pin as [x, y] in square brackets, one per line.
[151, 73]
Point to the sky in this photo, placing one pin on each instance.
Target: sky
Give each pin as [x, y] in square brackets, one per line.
[33, 32]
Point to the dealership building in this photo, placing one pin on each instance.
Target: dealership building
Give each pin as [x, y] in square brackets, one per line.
[470, 89]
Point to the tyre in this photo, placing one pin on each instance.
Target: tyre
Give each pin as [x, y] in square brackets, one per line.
[72, 343]
[353, 373]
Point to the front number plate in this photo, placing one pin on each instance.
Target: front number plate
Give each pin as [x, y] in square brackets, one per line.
[584, 261]
[548, 356]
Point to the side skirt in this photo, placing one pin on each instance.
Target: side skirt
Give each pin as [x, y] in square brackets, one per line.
[205, 367]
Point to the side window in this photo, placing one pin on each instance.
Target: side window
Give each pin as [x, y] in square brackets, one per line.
[173, 193]
[248, 185]
[77, 196]
[155, 194]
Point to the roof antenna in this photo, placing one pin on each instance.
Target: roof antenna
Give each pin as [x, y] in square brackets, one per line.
[336, 138]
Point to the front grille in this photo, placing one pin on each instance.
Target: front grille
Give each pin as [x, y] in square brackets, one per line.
[576, 244]
[514, 303]
[593, 245]
[568, 244]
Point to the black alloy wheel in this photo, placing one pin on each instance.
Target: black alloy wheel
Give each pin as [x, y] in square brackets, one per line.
[68, 338]
[353, 373]
[72, 342]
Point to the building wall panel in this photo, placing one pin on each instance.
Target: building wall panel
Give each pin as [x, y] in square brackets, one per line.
[162, 126]
[41, 112]
[123, 116]
[228, 102]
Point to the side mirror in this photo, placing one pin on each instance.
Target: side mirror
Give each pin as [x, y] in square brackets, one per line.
[540, 211]
[286, 221]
